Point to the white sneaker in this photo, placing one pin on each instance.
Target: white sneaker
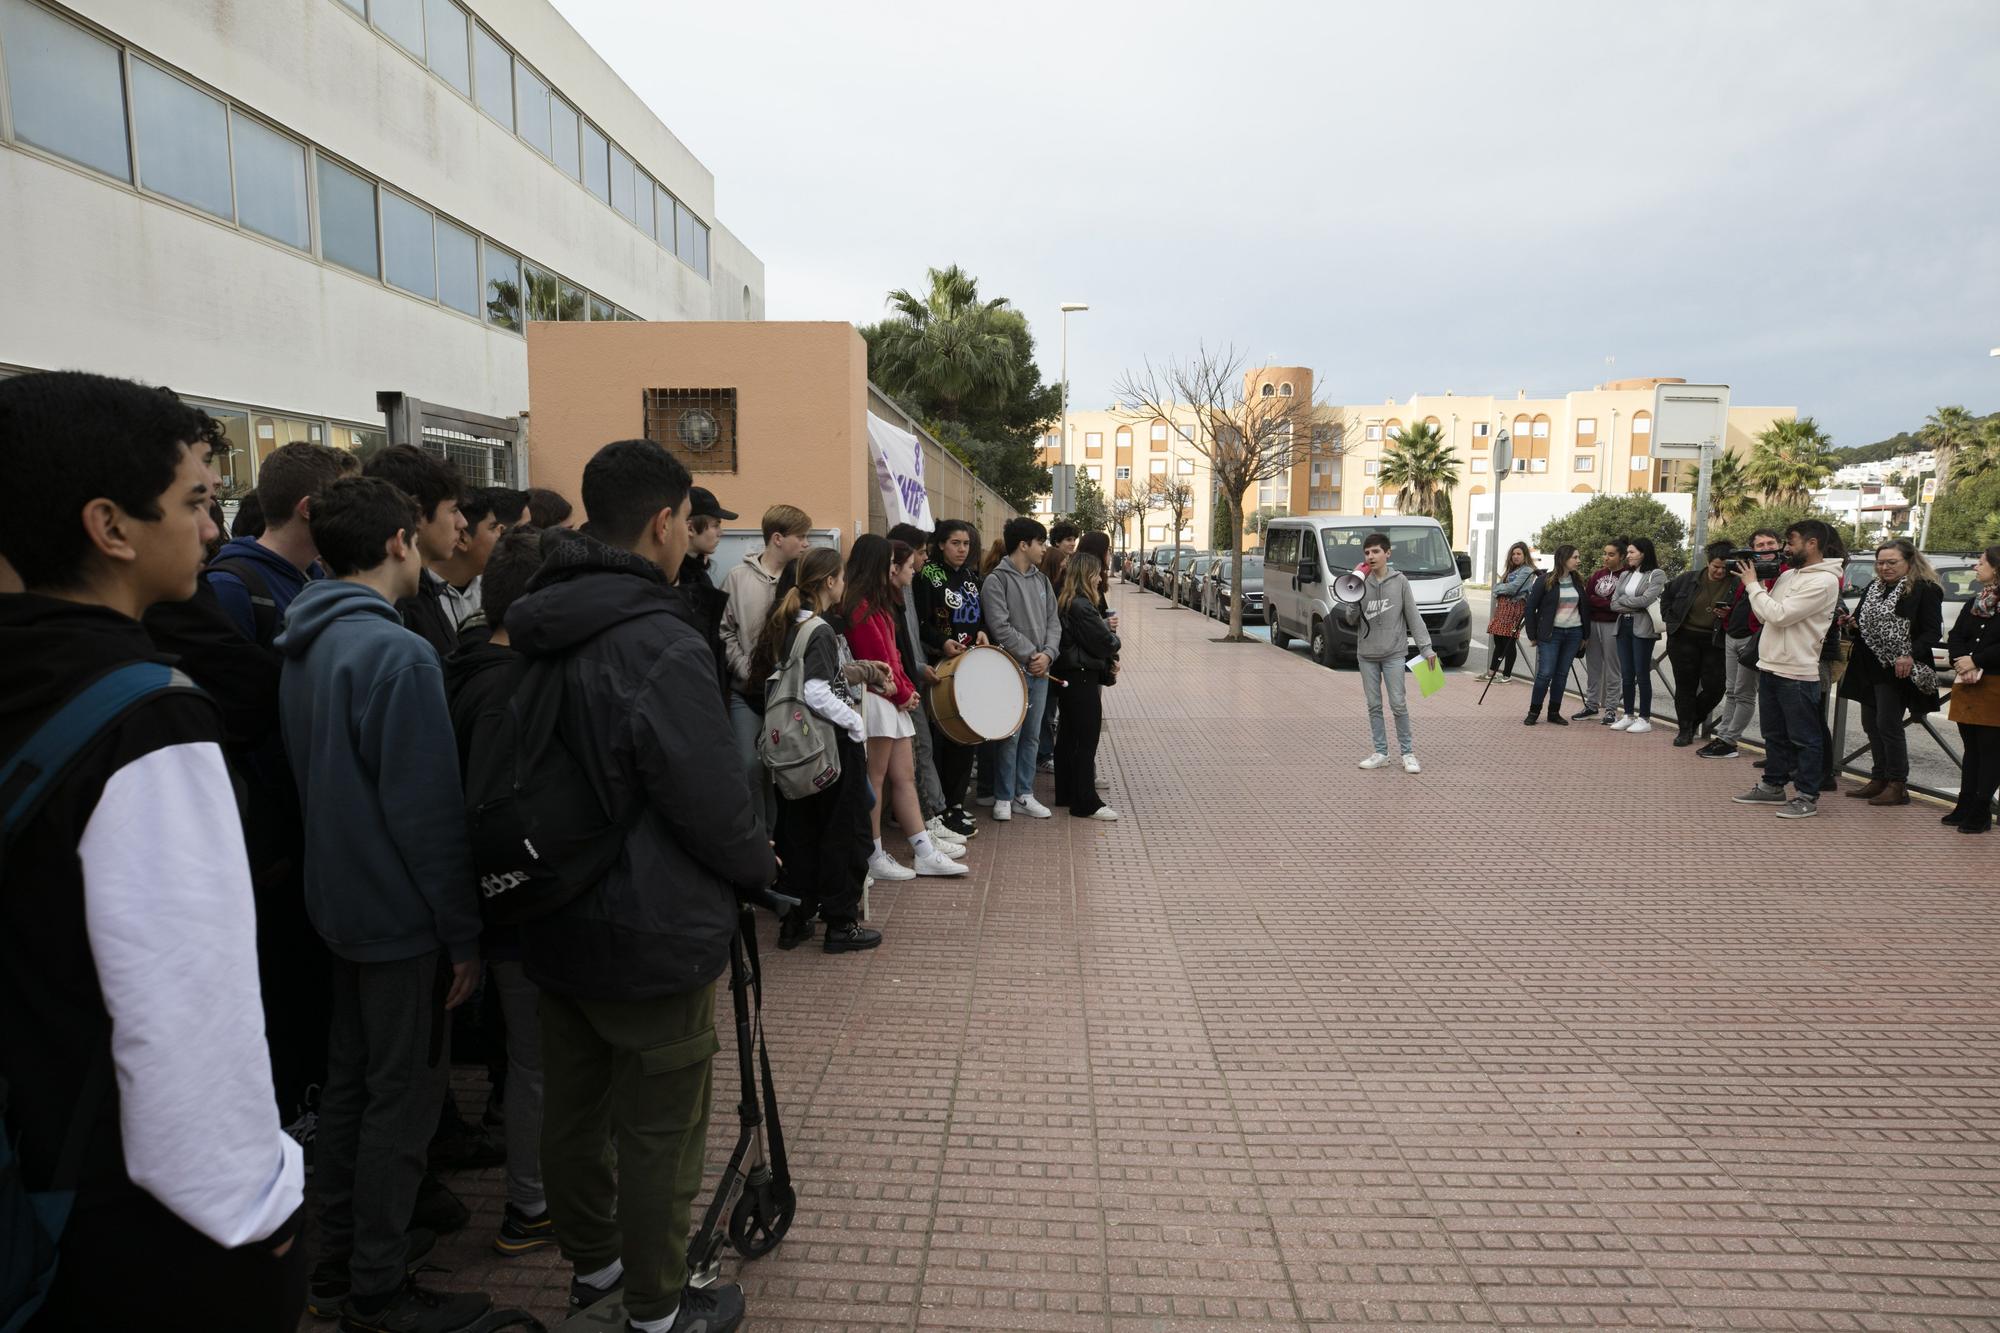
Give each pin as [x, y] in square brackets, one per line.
[940, 865]
[1410, 764]
[1376, 760]
[953, 850]
[939, 833]
[1105, 813]
[886, 867]
[982, 800]
[1625, 723]
[1030, 806]
[1637, 725]
[1003, 810]
[1104, 784]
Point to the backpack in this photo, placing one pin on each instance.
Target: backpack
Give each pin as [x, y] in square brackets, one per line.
[800, 749]
[32, 1221]
[263, 606]
[541, 836]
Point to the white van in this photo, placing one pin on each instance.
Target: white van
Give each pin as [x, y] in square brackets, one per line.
[1303, 556]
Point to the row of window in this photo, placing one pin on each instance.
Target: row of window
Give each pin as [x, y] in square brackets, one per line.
[481, 68]
[74, 94]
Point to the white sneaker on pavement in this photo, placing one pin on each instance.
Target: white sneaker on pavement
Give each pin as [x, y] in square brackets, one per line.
[1410, 764]
[1003, 810]
[1376, 760]
[886, 867]
[1105, 813]
[1623, 723]
[940, 832]
[1030, 806]
[1104, 784]
[1638, 726]
[940, 865]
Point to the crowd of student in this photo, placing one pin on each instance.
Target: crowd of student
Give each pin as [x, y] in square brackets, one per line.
[1769, 635]
[243, 908]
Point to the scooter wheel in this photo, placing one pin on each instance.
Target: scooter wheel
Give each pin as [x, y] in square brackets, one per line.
[761, 1218]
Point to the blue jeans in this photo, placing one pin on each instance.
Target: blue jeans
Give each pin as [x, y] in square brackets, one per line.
[1635, 664]
[1794, 715]
[1374, 675]
[1014, 773]
[1552, 658]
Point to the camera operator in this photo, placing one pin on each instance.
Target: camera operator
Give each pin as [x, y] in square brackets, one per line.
[1796, 612]
[1739, 649]
[1693, 612]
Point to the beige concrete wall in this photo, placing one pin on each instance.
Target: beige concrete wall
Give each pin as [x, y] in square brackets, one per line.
[801, 397]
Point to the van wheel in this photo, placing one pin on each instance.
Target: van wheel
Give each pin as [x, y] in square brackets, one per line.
[1278, 635]
[1319, 645]
[1457, 659]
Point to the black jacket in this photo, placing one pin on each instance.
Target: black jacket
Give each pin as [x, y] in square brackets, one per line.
[1543, 605]
[643, 717]
[1920, 604]
[706, 603]
[947, 606]
[1680, 595]
[1089, 648]
[479, 679]
[427, 616]
[1977, 637]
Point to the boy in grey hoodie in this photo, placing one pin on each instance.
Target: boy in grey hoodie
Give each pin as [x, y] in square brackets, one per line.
[389, 886]
[1020, 611]
[1388, 621]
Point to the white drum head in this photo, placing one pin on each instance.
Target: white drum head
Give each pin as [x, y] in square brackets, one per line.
[988, 690]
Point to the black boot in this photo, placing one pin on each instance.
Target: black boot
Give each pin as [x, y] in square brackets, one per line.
[850, 937]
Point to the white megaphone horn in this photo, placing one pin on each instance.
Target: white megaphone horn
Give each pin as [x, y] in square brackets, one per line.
[1349, 589]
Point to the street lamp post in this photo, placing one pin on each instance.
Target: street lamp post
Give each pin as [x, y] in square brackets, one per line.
[1068, 308]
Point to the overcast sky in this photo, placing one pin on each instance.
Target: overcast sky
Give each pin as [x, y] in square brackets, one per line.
[1787, 197]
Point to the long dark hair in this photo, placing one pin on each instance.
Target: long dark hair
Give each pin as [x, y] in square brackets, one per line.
[1648, 560]
[868, 564]
[899, 555]
[798, 589]
[1563, 553]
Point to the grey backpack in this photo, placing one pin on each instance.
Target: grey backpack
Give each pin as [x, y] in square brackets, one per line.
[800, 749]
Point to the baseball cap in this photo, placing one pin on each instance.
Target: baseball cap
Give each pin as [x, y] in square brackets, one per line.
[701, 500]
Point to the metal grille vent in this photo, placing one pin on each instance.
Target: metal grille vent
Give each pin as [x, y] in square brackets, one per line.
[697, 426]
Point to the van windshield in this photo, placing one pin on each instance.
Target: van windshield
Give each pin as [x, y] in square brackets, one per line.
[1419, 553]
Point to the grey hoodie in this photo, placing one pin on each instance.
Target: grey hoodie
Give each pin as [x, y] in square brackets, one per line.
[388, 871]
[751, 591]
[1389, 619]
[1020, 611]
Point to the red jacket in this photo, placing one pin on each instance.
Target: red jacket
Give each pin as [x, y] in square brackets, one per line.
[871, 637]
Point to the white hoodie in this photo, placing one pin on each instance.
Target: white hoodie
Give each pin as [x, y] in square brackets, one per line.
[1795, 612]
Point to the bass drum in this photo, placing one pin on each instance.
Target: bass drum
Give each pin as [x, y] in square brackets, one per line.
[980, 695]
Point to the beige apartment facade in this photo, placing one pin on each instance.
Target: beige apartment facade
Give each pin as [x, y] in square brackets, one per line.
[1595, 441]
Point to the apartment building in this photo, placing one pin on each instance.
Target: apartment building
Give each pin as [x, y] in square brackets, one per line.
[334, 219]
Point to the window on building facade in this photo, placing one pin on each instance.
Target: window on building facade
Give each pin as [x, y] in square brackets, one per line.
[1586, 462]
[1159, 435]
[1094, 471]
[572, 306]
[1374, 432]
[493, 68]
[1586, 428]
[1268, 391]
[409, 253]
[596, 162]
[563, 138]
[270, 182]
[503, 287]
[1187, 467]
[1124, 473]
[531, 110]
[1640, 462]
[1284, 391]
[621, 183]
[1541, 428]
[1093, 443]
[458, 268]
[601, 309]
[1538, 465]
[401, 21]
[347, 219]
[1159, 467]
[697, 426]
[1478, 465]
[1642, 424]
[65, 88]
[1481, 430]
[447, 44]
[1156, 533]
[1372, 467]
[643, 193]
[1124, 437]
[183, 138]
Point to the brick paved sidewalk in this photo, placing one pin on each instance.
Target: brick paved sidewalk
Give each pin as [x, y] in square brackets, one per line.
[1518, 1042]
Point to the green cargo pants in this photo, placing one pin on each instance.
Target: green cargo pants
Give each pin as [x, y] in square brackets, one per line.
[624, 1127]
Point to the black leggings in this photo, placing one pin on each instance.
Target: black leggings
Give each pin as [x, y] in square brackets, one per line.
[1981, 778]
[954, 766]
[1505, 648]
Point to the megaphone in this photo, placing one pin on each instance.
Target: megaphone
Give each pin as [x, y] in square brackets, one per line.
[1350, 589]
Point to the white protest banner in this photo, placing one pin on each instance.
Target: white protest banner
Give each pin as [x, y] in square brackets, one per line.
[899, 472]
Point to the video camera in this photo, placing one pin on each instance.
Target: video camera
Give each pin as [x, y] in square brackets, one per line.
[1769, 563]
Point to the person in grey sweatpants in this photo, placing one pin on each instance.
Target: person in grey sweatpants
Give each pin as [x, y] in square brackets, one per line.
[1602, 679]
[1388, 621]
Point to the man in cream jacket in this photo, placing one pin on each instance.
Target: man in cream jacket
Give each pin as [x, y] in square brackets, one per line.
[1795, 613]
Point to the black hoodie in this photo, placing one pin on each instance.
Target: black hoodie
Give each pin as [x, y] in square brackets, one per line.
[643, 717]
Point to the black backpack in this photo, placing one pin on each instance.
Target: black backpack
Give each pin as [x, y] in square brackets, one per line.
[32, 1221]
[263, 606]
[540, 834]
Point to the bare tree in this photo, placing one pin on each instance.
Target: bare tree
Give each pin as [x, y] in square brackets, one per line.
[1176, 498]
[1246, 438]
[1123, 510]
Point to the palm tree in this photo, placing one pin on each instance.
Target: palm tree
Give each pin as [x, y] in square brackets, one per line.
[1421, 466]
[1948, 430]
[1790, 461]
[950, 344]
[1728, 487]
[1982, 455]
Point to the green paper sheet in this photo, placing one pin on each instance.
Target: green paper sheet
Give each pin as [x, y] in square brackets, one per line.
[1430, 675]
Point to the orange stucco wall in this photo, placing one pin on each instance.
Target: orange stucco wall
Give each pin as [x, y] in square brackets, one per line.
[801, 398]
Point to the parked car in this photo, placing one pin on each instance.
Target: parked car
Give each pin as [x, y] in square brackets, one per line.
[1154, 577]
[1303, 557]
[1195, 582]
[1176, 575]
[1253, 590]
